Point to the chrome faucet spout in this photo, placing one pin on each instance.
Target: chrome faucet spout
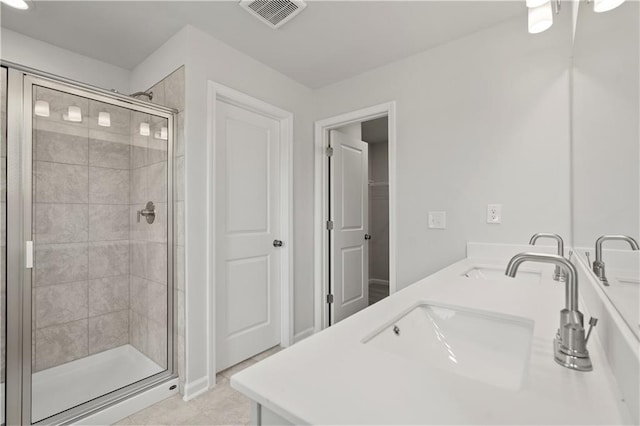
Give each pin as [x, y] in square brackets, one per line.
[558, 273]
[598, 264]
[570, 343]
[571, 283]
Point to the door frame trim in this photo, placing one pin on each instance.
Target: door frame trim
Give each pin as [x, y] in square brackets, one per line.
[216, 92]
[321, 258]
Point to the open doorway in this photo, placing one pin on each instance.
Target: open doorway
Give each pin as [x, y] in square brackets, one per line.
[355, 234]
[376, 207]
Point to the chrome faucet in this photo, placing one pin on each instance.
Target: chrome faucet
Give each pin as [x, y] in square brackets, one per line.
[570, 343]
[598, 264]
[558, 273]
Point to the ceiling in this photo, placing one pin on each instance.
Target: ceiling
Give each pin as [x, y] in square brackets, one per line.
[327, 42]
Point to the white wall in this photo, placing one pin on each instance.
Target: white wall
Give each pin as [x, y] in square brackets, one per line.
[42, 56]
[606, 111]
[480, 120]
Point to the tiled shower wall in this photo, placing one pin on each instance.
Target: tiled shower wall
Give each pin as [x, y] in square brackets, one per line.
[148, 293]
[171, 92]
[81, 183]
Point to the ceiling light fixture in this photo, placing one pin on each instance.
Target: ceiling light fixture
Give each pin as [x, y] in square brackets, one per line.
[540, 18]
[104, 119]
[163, 134]
[41, 109]
[74, 115]
[17, 4]
[606, 5]
[535, 3]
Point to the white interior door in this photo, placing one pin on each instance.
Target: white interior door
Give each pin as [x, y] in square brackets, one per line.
[350, 215]
[247, 224]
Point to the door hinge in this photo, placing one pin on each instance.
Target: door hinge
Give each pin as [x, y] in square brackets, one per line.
[329, 298]
[330, 225]
[329, 151]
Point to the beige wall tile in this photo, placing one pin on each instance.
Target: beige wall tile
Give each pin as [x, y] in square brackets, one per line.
[108, 295]
[138, 331]
[108, 222]
[157, 148]
[139, 258]
[108, 259]
[139, 184]
[61, 303]
[139, 295]
[61, 223]
[61, 343]
[157, 182]
[60, 263]
[158, 93]
[60, 183]
[108, 186]
[157, 302]
[157, 262]
[60, 147]
[108, 331]
[157, 343]
[114, 155]
[174, 86]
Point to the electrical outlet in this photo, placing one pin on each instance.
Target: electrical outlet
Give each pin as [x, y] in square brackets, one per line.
[437, 220]
[494, 213]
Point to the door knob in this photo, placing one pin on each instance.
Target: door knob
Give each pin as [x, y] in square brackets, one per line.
[277, 243]
[367, 236]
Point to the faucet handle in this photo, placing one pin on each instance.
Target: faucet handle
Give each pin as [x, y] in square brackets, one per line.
[586, 253]
[592, 323]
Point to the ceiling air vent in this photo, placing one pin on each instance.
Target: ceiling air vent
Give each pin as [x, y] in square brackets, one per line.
[274, 13]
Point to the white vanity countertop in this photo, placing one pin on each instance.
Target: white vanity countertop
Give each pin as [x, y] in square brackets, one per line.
[333, 378]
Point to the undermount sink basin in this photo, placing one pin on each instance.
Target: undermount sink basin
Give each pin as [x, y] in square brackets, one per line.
[628, 280]
[479, 345]
[487, 273]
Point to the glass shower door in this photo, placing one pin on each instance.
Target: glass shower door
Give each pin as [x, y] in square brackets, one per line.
[3, 238]
[100, 314]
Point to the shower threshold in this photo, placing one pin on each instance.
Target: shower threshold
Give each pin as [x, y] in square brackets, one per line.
[68, 385]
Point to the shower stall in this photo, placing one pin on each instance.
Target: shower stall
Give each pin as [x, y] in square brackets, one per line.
[87, 305]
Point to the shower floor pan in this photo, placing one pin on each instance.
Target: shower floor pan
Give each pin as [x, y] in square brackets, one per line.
[63, 387]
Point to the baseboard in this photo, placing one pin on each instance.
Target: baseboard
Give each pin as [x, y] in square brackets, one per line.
[380, 282]
[195, 388]
[303, 335]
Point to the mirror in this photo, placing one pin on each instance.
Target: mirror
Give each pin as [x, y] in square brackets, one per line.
[605, 148]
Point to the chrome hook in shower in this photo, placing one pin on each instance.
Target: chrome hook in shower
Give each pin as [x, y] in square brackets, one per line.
[149, 212]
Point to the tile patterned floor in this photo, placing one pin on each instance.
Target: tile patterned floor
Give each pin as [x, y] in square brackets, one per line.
[219, 406]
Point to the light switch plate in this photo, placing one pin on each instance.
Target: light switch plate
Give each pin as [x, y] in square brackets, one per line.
[494, 213]
[437, 220]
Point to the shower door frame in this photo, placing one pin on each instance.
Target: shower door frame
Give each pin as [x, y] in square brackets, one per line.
[21, 81]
